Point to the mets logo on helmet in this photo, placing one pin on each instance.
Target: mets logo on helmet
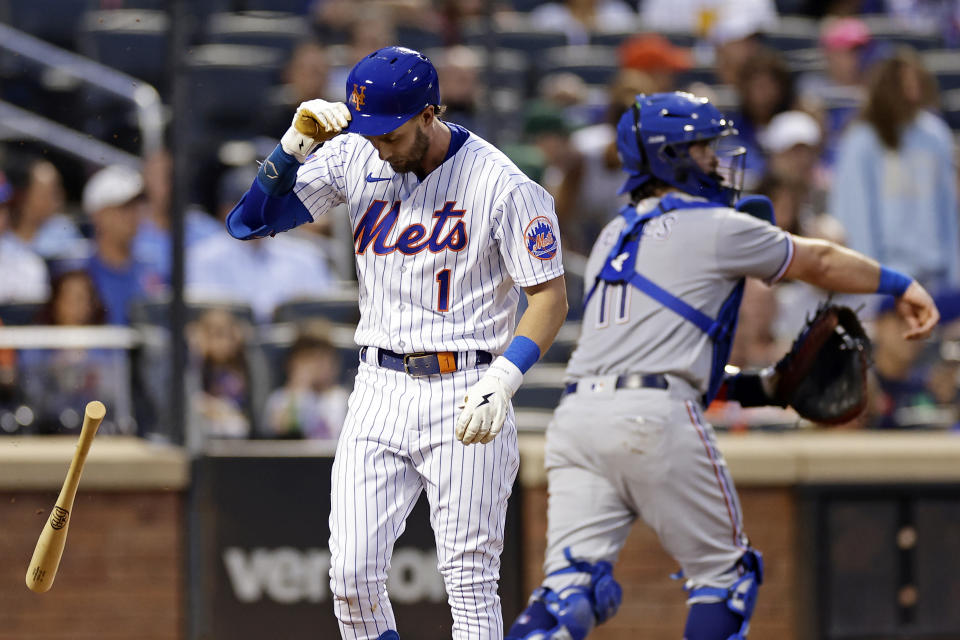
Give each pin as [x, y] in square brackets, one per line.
[541, 239]
[357, 96]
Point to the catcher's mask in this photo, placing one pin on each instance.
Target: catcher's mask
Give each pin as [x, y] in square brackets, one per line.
[653, 140]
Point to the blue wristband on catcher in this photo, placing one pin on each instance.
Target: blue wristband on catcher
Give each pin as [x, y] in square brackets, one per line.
[522, 352]
[892, 282]
[278, 173]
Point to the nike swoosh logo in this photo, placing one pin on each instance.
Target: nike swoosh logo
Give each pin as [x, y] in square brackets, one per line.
[486, 400]
[370, 178]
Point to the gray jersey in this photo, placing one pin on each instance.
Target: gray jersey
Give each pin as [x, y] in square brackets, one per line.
[697, 255]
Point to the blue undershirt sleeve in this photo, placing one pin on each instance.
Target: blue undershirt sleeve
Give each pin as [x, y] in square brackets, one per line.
[269, 206]
[258, 215]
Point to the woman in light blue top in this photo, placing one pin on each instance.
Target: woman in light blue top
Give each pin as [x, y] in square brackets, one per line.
[895, 186]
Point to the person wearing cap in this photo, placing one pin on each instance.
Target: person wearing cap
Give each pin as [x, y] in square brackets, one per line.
[447, 232]
[24, 274]
[656, 56]
[792, 142]
[795, 179]
[112, 199]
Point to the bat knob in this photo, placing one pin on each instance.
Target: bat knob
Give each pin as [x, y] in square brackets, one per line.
[96, 410]
[307, 126]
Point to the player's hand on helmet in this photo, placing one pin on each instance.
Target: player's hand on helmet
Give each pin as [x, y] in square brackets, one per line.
[485, 406]
[315, 122]
[918, 310]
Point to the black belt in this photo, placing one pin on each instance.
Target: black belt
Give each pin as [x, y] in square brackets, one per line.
[627, 381]
[424, 364]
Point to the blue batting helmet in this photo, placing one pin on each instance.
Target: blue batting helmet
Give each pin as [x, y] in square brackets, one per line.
[387, 88]
[653, 137]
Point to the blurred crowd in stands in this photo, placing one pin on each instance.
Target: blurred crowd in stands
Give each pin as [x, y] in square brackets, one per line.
[845, 108]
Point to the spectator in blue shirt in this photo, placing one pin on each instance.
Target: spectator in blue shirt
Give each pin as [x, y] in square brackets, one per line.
[112, 198]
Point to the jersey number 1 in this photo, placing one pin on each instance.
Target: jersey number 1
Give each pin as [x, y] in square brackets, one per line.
[443, 291]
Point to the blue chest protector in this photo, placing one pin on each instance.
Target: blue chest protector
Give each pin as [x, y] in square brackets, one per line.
[620, 268]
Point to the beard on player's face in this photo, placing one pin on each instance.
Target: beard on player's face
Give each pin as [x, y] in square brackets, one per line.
[412, 159]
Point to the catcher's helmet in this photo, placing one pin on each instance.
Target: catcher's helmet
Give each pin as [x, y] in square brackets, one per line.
[653, 136]
[387, 88]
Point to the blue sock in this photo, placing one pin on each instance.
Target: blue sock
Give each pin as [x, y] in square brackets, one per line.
[711, 621]
[389, 635]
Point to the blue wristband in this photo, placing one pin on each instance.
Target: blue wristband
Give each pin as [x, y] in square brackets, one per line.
[278, 173]
[892, 282]
[522, 352]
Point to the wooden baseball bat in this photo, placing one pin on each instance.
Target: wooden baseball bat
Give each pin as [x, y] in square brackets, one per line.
[46, 556]
[307, 126]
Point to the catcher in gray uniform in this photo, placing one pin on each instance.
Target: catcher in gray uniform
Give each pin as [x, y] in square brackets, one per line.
[629, 440]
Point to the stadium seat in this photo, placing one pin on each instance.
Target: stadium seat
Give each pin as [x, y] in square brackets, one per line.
[156, 313]
[525, 6]
[132, 41]
[511, 69]
[228, 85]
[287, 6]
[272, 29]
[595, 65]
[559, 352]
[542, 387]
[805, 60]
[615, 38]
[273, 341]
[19, 313]
[705, 75]
[340, 309]
[518, 36]
[950, 103]
[418, 38]
[537, 397]
[945, 65]
[52, 20]
[793, 32]
[889, 30]
[575, 293]
[152, 5]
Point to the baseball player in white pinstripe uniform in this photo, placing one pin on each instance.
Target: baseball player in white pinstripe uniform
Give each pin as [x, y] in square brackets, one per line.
[446, 232]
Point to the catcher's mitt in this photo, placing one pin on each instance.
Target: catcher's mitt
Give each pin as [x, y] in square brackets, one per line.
[824, 375]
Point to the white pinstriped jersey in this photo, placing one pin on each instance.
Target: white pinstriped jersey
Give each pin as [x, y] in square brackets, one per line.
[437, 260]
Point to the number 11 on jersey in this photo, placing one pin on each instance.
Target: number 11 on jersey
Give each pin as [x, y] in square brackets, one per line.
[443, 290]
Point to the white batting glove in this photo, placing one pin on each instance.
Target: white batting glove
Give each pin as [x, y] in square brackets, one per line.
[485, 406]
[327, 119]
